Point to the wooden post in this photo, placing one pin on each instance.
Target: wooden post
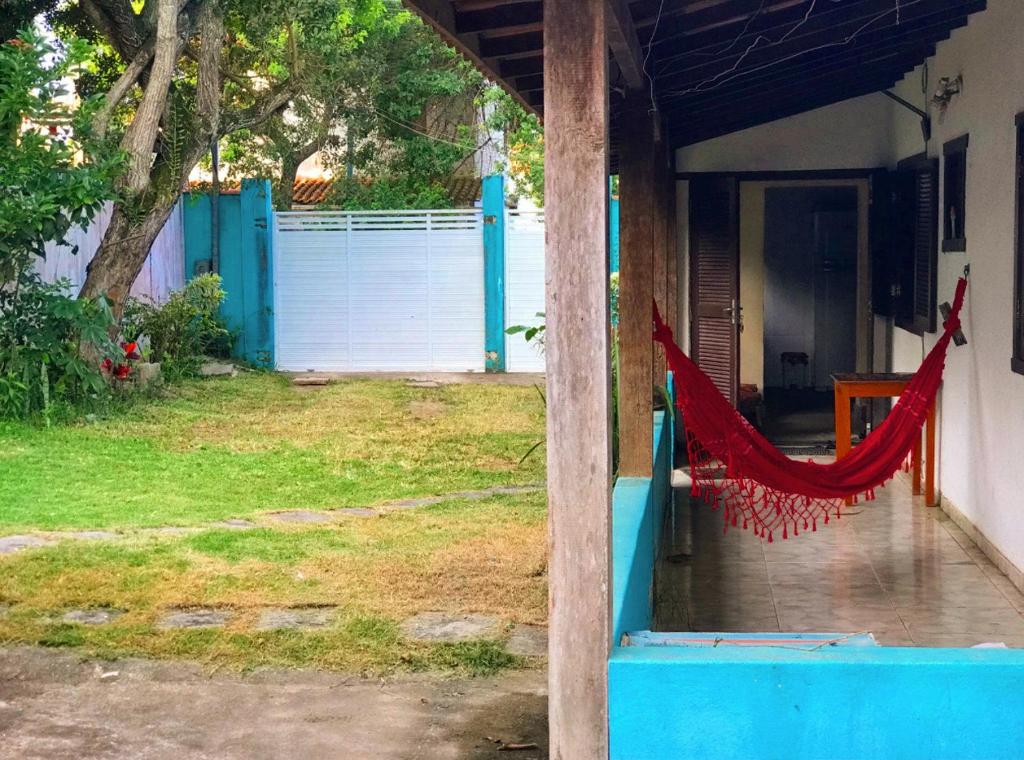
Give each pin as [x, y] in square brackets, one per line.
[578, 377]
[671, 307]
[637, 202]
[660, 247]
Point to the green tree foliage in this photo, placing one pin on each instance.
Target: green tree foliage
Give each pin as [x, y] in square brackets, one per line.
[45, 186]
[523, 143]
[189, 72]
[398, 110]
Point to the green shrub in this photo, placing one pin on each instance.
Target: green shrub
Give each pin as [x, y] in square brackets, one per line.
[48, 345]
[183, 330]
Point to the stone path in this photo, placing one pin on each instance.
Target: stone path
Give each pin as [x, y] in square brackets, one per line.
[93, 616]
[197, 618]
[11, 544]
[56, 706]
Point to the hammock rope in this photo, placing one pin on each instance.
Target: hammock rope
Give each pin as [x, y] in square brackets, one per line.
[734, 467]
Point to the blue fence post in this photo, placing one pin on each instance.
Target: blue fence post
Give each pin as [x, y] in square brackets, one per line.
[613, 232]
[493, 193]
[197, 229]
[256, 343]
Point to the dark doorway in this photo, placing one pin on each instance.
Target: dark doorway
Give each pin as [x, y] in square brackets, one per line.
[810, 308]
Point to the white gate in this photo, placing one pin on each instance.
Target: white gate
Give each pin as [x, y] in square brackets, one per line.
[524, 287]
[379, 291]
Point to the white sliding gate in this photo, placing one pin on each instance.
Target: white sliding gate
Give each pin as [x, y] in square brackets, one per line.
[524, 286]
[379, 291]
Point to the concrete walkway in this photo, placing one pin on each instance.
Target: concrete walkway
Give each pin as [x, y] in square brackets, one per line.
[55, 706]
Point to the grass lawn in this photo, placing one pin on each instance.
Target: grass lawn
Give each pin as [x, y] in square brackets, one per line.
[238, 447]
[235, 447]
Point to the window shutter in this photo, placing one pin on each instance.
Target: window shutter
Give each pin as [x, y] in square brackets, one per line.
[917, 246]
[714, 280]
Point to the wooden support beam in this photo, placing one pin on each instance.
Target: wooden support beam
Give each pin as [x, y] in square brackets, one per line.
[624, 43]
[578, 377]
[637, 203]
[672, 306]
[659, 245]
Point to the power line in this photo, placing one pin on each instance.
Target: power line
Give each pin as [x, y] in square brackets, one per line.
[731, 73]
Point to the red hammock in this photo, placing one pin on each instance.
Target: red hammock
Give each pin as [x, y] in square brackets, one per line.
[758, 486]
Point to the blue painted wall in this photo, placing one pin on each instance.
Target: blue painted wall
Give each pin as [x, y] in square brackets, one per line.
[857, 703]
[493, 202]
[638, 511]
[246, 263]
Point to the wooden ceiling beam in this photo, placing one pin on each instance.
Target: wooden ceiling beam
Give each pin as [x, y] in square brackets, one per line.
[757, 97]
[517, 67]
[512, 45]
[624, 43]
[912, 50]
[692, 71]
[505, 16]
[440, 16]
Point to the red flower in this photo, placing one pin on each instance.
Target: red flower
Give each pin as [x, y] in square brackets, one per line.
[53, 129]
[107, 365]
[131, 350]
[121, 371]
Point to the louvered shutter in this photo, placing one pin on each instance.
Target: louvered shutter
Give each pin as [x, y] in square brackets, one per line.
[917, 246]
[714, 280]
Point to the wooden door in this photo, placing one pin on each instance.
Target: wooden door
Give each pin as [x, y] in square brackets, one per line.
[714, 280]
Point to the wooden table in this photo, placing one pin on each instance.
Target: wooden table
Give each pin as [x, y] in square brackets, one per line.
[875, 385]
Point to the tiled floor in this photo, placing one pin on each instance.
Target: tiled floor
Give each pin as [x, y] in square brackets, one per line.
[893, 567]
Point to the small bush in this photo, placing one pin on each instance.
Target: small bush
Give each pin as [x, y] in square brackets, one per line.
[47, 341]
[183, 330]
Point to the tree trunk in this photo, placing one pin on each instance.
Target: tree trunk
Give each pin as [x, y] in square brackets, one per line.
[286, 184]
[123, 253]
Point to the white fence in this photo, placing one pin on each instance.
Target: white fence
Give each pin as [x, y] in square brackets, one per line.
[379, 291]
[163, 271]
[524, 287]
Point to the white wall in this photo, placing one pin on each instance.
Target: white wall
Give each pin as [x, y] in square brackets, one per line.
[163, 271]
[854, 134]
[982, 408]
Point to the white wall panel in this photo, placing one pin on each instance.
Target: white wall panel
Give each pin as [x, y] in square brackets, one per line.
[379, 291]
[524, 287]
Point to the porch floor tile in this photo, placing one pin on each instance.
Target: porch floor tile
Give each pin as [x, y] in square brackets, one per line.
[893, 567]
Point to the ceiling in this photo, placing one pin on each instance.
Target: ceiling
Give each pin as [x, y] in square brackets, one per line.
[718, 66]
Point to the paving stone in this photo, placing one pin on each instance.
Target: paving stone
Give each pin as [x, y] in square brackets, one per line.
[300, 618]
[11, 544]
[301, 516]
[197, 618]
[91, 535]
[357, 511]
[235, 523]
[95, 616]
[414, 503]
[311, 380]
[439, 626]
[218, 369]
[528, 641]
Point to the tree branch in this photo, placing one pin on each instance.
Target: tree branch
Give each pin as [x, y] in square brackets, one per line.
[259, 113]
[141, 135]
[122, 87]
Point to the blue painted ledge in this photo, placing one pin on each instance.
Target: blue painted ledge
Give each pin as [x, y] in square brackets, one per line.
[856, 703]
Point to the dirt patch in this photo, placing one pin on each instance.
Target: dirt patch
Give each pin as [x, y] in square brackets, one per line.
[54, 706]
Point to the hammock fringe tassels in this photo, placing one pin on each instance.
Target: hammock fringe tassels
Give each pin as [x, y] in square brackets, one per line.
[735, 468]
